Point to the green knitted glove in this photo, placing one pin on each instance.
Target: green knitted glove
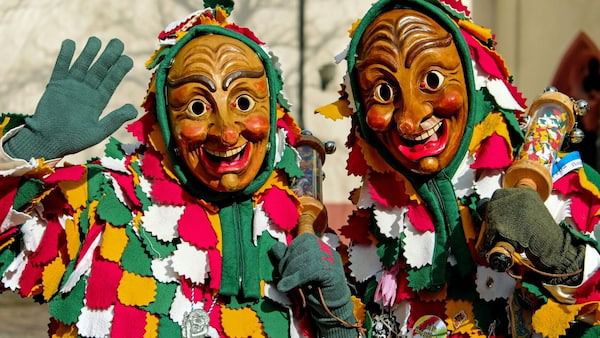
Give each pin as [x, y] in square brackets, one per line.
[309, 263]
[518, 216]
[66, 119]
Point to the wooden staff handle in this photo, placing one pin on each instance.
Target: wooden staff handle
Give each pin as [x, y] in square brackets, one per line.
[313, 217]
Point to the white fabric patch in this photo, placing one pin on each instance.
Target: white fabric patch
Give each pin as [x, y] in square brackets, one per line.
[464, 177]
[418, 246]
[13, 166]
[12, 219]
[364, 200]
[489, 182]
[280, 144]
[180, 306]
[497, 88]
[261, 222]
[161, 221]
[190, 262]
[82, 267]
[145, 185]
[493, 284]
[559, 207]
[13, 273]
[130, 148]
[364, 261]
[295, 331]
[114, 164]
[162, 270]
[390, 221]
[591, 264]
[95, 323]
[331, 239]
[401, 312]
[33, 231]
[271, 292]
[341, 56]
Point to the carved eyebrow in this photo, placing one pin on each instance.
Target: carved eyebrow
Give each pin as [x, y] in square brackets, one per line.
[385, 59]
[423, 44]
[241, 74]
[205, 80]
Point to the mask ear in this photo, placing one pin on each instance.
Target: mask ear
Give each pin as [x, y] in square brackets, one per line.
[336, 110]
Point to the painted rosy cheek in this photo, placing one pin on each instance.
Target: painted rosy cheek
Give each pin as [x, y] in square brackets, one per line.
[257, 128]
[451, 101]
[193, 131]
[379, 117]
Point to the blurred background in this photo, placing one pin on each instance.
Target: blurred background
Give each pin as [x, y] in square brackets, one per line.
[543, 42]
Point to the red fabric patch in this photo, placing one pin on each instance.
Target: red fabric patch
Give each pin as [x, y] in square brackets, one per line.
[8, 190]
[357, 229]
[215, 262]
[244, 31]
[356, 164]
[70, 173]
[280, 208]
[518, 96]
[128, 321]
[200, 293]
[385, 190]
[7, 235]
[31, 277]
[590, 290]
[103, 283]
[194, 227]
[56, 205]
[567, 184]
[215, 317]
[403, 291]
[419, 309]
[125, 181]
[293, 131]
[152, 165]
[582, 211]
[420, 218]
[52, 240]
[94, 231]
[167, 192]
[493, 153]
[458, 6]
[141, 128]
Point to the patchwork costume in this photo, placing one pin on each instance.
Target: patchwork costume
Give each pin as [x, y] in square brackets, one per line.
[412, 235]
[132, 245]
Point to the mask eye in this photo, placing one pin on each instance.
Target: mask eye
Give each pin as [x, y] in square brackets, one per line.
[383, 93]
[244, 103]
[433, 81]
[197, 108]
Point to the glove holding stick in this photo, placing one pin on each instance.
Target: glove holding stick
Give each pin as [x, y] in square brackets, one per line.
[516, 219]
[310, 270]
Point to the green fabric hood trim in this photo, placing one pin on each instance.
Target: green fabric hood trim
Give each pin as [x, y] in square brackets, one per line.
[275, 85]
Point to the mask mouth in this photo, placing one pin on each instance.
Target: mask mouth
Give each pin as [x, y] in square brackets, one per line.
[430, 142]
[233, 160]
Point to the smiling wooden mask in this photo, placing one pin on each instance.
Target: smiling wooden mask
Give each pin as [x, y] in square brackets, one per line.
[412, 84]
[218, 104]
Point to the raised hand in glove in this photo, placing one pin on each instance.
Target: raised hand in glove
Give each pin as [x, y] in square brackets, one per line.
[519, 217]
[67, 118]
[310, 264]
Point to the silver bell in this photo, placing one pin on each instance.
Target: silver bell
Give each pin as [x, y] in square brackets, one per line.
[330, 147]
[581, 107]
[550, 89]
[576, 136]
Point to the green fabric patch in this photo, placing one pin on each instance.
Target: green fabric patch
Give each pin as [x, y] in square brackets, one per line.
[84, 220]
[516, 134]
[155, 247]
[275, 318]
[135, 259]
[96, 182]
[535, 290]
[420, 279]
[265, 261]
[112, 210]
[592, 332]
[6, 257]
[227, 5]
[369, 293]
[68, 271]
[389, 251]
[144, 199]
[239, 302]
[28, 190]
[66, 308]
[168, 328]
[592, 175]
[289, 163]
[113, 149]
[165, 292]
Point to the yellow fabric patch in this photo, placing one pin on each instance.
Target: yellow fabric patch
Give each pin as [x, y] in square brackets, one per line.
[353, 28]
[41, 197]
[493, 123]
[231, 319]
[3, 125]
[92, 212]
[7, 243]
[359, 309]
[65, 331]
[75, 192]
[215, 221]
[336, 110]
[460, 318]
[372, 157]
[114, 241]
[151, 326]
[72, 235]
[467, 221]
[51, 277]
[134, 174]
[553, 319]
[136, 290]
[137, 219]
[408, 187]
[278, 180]
[587, 184]
[480, 32]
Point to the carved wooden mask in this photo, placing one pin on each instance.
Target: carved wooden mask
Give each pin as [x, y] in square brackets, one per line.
[412, 84]
[218, 103]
